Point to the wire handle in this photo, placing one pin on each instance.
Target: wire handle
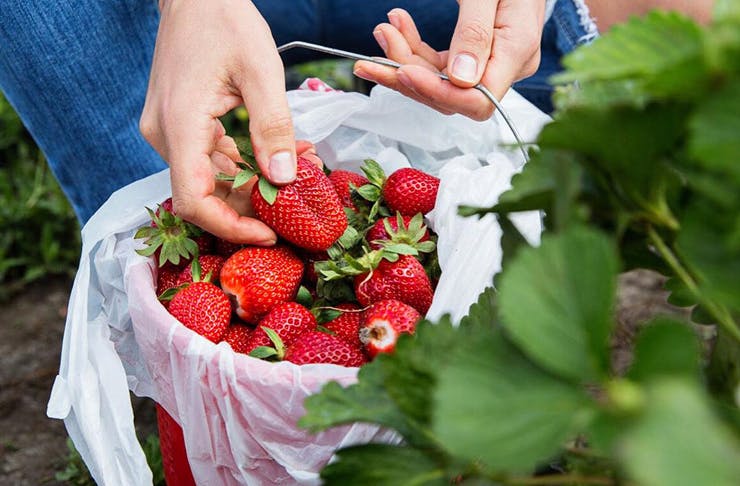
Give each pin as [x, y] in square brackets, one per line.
[393, 64]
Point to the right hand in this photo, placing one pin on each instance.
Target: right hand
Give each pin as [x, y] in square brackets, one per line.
[209, 58]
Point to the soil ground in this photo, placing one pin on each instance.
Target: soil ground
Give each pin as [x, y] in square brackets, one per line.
[33, 447]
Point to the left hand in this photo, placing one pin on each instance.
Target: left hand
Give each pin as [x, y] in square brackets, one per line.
[495, 43]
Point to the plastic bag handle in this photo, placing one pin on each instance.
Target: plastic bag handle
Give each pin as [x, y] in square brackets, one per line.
[393, 64]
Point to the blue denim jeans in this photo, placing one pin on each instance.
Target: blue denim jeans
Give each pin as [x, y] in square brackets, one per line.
[76, 72]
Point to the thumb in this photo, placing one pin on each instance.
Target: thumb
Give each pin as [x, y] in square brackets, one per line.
[470, 47]
[270, 123]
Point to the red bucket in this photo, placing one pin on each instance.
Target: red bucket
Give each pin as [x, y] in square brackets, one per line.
[172, 444]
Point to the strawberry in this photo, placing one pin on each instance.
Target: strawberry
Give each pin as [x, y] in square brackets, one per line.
[320, 347]
[306, 212]
[383, 322]
[226, 248]
[237, 335]
[167, 277]
[259, 278]
[347, 324]
[208, 264]
[343, 180]
[410, 233]
[288, 320]
[204, 308]
[410, 191]
[403, 279]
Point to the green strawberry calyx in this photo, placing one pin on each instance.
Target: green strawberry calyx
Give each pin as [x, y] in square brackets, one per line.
[275, 352]
[171, 235]
[247, 169]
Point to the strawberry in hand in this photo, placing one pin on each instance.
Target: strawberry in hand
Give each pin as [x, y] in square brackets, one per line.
[306, 212]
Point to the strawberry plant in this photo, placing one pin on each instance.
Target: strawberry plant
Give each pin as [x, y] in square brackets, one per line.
[639, 169]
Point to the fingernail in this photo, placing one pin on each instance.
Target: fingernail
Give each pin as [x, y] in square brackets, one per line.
[405, 80]
[394, 19]
[380, 39]
[282, 167]
[465, 68]
[360, 73]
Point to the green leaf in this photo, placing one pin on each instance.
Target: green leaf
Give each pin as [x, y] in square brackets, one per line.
[383, 465]
[366, 401]
[276, 341]
[268, 191]
[640, 48]
[496, 407]
[374, 173]
[715, 125]
[369, 192]
[665, 348]
[711, 252]
[556, 302]
[304, 297]
[394, 390]
[679, 441]
[263, 352]
[242, 177]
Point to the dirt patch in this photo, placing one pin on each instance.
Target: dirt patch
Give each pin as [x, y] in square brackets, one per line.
[33, 447]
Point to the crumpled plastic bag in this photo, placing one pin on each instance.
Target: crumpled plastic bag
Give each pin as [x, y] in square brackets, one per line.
[238, 413]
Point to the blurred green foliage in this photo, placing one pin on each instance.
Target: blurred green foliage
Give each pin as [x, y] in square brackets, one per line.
[39, 233]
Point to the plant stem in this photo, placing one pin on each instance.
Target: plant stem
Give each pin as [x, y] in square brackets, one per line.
[718, 311]
[555, 479]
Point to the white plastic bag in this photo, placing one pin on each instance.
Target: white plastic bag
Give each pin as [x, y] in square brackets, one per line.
[238, 413]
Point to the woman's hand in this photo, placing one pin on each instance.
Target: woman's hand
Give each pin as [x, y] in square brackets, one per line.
[209, 58]
[495, 43]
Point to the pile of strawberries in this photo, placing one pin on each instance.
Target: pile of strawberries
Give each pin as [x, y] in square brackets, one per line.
[354, 267]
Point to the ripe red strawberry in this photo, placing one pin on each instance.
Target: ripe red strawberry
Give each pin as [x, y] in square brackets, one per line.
[226, 248]
[320, 347]
[404, 280]
[347, 324]
[383, 322]
[259, 278]
[237, 335]
[306, 212]
[204, 308]
[208, 264]
[341, 179]
[167, 277]
[410, 191]
[289, 320]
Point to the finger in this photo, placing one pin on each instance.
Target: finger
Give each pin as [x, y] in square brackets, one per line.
[388, 77]
[304, 146]
[262, 85]
[396, 48]
[227, 146]
[445, 96]
[404, 23]
[470, 47]
[314, 159]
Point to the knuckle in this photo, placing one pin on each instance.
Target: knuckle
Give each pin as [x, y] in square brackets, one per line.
[475, 34]
[279, 126]
[147, 126]
[483, 113]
